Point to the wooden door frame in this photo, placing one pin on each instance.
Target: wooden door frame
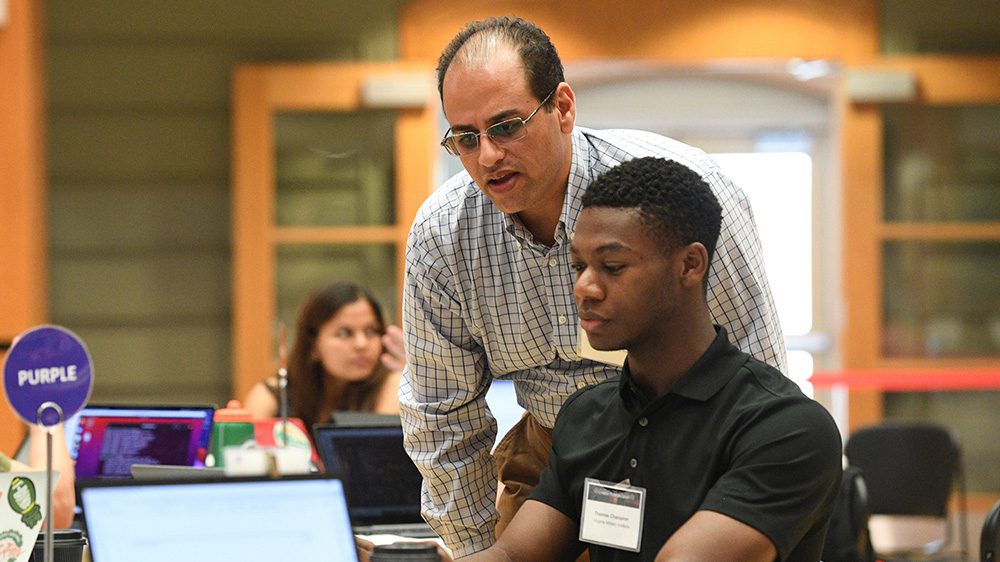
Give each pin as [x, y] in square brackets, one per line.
[258, 91]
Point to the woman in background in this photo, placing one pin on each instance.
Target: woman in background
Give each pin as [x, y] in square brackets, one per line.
[343, 357]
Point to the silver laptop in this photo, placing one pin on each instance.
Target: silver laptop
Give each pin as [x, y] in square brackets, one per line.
[301, 518]
[174, 471]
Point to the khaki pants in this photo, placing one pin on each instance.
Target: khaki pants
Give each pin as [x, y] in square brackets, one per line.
[521, 456]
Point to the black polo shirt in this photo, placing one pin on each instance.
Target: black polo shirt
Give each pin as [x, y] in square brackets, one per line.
[733, 436]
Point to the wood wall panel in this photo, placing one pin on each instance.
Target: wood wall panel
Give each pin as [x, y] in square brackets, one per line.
[22, 183]
[139, 172]
[675, 29]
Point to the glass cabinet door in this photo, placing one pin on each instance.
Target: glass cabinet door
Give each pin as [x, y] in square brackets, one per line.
[941, 255]
[334, 170]
[326, 181]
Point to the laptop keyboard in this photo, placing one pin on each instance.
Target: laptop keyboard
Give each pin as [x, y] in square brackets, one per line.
[410, 530]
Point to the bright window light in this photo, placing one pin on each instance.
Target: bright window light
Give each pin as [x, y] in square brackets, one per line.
[800, 368]
[779, 185]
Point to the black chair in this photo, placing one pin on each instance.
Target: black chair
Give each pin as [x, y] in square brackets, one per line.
[989, 540]
[847, 537]
[910, 469]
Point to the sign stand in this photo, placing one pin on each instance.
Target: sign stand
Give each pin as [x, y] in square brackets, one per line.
[283, 383]
[47, 376]
[50, 415]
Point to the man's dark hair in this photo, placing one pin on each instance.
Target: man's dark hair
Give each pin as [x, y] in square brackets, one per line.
[673, 201]
[542, 67]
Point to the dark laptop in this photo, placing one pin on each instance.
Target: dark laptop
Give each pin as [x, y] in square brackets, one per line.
[302, 518]
[106, 440]
[383, 485]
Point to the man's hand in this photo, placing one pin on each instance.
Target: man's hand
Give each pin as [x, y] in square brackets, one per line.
[366, 548]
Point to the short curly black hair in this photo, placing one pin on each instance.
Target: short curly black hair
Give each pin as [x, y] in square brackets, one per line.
[673, 201]
[543, 68]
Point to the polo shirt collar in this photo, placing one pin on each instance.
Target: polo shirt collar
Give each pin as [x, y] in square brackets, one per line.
[712, 371]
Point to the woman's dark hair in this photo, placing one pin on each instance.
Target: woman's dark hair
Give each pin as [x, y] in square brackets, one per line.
[542, 67]
[308, 383]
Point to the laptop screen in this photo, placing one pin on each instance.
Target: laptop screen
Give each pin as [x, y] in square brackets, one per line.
[383, 485]
[248, 519]
[106, 441]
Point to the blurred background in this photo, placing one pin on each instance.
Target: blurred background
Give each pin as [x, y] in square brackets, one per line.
[176, 176]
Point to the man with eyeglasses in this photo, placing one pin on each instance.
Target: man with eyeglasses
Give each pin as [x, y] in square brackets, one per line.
[489, 289]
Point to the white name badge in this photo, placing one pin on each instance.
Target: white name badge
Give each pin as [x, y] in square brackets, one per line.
[616, 357]
[612, 514]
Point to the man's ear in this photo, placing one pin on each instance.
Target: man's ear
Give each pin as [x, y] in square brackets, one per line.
[694, 264]
[566, 106]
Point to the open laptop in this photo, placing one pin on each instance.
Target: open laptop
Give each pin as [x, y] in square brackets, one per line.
[106, 440]
[383, 485]
[302, 518]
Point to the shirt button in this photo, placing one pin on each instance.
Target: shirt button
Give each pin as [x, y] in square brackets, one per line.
[572, 235]
[643, 422]
[553, 262]
[518, 244]
[581, 384]
[633, 463]
[562, 319]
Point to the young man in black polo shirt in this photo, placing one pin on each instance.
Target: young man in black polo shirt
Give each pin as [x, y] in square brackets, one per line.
[699, 451]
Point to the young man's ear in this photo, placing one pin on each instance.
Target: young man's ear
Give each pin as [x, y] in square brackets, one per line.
[694, 264]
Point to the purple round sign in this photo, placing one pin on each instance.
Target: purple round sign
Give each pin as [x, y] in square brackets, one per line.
[47, 375]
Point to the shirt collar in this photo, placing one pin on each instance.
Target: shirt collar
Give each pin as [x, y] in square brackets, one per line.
[712, 371]
[581, 174]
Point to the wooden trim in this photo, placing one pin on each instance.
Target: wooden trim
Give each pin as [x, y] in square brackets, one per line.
[974, 502]
[336, 235]
[337, 85]
[947, 232]
[253, 207]
[861, 154]
[943, 80]
[861, 149]
[671, 30]
[23, 230]
[416, 148]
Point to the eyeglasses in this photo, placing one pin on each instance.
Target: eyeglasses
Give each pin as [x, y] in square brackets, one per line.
[504, 132]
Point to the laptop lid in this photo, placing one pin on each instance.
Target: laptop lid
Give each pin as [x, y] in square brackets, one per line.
[364, 418]
[106, 440]
[302, 518]
[383, 485]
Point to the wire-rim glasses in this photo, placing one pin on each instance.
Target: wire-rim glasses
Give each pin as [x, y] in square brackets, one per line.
[504, 132]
